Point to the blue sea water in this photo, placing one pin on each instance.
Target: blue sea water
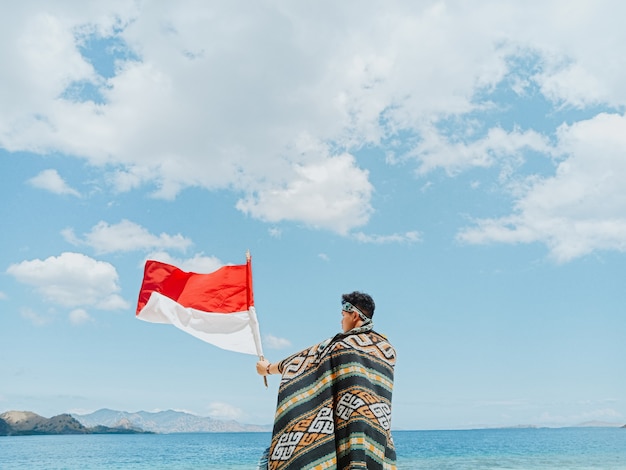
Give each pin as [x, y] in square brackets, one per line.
[512, 449]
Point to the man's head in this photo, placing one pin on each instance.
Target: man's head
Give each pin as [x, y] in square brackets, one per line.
[356, 308]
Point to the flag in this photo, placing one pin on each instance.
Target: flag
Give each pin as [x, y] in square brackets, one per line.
[217, 307]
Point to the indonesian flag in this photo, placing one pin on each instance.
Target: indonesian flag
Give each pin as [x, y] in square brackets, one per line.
[217, 307]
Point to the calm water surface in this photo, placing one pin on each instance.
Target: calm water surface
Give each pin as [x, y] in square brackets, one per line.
[514, 449]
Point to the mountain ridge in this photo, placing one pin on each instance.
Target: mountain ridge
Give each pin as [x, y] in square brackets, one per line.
[25, 423]
[165, 422]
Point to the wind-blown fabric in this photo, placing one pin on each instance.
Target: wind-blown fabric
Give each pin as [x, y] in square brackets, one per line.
[334, 405]
[217, 307]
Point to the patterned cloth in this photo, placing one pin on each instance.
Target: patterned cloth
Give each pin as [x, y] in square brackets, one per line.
[334, 405]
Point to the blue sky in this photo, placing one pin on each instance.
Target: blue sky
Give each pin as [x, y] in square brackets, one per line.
[464, 165]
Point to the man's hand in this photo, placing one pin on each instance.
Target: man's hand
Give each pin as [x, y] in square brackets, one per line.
[262, 367]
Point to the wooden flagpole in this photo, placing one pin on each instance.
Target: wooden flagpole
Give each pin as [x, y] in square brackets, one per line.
[261, 358]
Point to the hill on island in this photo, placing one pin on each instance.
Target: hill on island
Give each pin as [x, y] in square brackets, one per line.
[23, 423]
[165, 422]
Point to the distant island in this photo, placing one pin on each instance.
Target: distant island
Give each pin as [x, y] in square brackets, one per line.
[106, 421]
[27, 423]
[166, 422]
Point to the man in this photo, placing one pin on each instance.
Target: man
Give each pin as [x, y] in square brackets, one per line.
[334, 399]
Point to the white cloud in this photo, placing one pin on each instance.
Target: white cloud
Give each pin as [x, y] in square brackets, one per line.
[220, 410]
[35, 318]
[274, 342]
[198, 264]
[310, 82]
[126, 236]
[333, 194]
[79, 316]
[575, 85]
[408, 237]
[274, 100]
[437, 151]
[72, 280]
[275, 232]
[3, 296]
[582, 208]
[50, 180]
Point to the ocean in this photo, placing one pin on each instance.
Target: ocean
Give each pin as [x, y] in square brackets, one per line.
[511, 449]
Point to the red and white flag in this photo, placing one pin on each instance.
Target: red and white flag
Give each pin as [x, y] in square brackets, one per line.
[217, 307]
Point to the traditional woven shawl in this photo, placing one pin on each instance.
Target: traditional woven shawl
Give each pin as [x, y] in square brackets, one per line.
[334, 405]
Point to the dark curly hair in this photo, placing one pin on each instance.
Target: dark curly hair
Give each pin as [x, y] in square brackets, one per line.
[362, 301]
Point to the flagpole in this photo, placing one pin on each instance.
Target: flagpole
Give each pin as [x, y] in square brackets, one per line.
[249, 263]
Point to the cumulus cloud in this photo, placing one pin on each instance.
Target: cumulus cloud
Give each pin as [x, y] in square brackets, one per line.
[197, 264]
[275, 232]
[582, 207]
[274, 342]
[497, 146]
[280, 130]
[50, 180]
[274, 101]
[408, 237]
[72, 280]
[37, 319]
[79, 316]
[126, 236]
[220, 410]
[332, 194]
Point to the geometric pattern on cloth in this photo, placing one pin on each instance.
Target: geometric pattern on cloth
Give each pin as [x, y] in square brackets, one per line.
[347, 404]
[334, 405]
[382, 413]
[286, 445]
[323, 422]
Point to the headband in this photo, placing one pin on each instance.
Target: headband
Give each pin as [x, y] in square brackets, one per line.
[348, 307]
